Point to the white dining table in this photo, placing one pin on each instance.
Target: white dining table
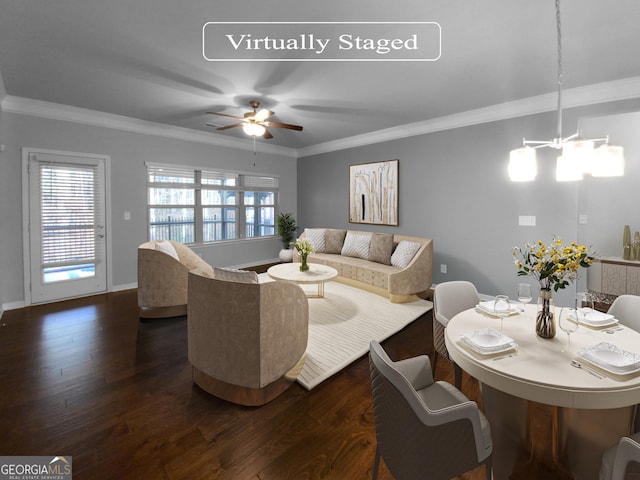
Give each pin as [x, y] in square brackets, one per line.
[591, 412]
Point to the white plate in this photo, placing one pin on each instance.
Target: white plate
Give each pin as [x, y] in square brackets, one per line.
[488, 340]
[611, 358]
[593, 318]
[487, 307]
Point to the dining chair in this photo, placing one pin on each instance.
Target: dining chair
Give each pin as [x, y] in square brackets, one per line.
[449, 299]
[626, 308]
[622, 461]
[424, 429]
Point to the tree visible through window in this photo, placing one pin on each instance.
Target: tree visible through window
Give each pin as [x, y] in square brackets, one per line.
[199, 206]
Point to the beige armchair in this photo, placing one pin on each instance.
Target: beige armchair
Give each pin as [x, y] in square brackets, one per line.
[247, 341]
[162, 277]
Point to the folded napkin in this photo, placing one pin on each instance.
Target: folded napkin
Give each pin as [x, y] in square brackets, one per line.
[487, 307]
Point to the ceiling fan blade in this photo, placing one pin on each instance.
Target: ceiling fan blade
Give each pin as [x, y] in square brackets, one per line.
[283, 125]
[262, 115]
[227, 127]
[267, 135]
[225, 115]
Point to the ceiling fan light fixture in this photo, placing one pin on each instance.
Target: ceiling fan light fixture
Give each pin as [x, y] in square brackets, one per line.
[253, 129]
[523, 164]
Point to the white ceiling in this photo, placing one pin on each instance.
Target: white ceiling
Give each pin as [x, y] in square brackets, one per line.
[143, 59]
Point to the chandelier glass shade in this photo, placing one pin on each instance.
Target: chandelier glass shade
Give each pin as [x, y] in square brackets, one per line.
[578, 156]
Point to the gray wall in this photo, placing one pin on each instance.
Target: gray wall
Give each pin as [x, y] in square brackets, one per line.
[611, 203]
[128, 152]
[454, 188]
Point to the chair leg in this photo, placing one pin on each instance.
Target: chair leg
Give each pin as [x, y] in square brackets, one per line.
[488, 466]
[458, 376]
[434, 363]
[376, 464]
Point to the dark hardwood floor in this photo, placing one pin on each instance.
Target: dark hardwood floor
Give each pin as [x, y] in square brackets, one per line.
[86, 378]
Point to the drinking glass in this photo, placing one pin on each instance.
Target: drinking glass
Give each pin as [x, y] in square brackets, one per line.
[524, 294]
[584, 305]
[568, 321]
[501, 307]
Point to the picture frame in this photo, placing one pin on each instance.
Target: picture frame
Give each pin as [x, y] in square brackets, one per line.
[373, 193]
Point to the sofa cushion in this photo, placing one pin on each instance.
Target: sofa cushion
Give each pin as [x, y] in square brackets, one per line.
[404, 253]
[356, 245]
[334, 240]
[381, 248]
[233, 275]
[316, 237]
[165, 246]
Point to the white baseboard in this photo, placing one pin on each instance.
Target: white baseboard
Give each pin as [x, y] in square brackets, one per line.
[126, 286]
[12, 305]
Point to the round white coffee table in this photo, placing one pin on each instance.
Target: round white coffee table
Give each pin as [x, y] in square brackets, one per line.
[317, 273]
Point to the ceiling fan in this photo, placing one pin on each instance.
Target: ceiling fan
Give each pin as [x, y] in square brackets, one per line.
[255, 123]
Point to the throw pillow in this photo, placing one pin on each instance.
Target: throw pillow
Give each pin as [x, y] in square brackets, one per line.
[165, 246]
[381, 248]
[404, 253]
[233, 275]
[333, 240]
[356, 245]
[316, 237]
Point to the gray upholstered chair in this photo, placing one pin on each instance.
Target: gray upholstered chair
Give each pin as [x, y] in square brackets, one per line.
[424, 429]
[622, 460]
[626, 308]
[163, 266]
[246, 341]
[449, 299]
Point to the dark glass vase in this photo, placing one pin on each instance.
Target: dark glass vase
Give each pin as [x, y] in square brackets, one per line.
[545, 325]
[304, 267]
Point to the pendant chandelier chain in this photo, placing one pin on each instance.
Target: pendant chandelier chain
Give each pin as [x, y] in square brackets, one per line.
[559, 37]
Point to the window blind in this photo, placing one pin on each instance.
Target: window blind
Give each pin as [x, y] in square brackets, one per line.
[68, 200]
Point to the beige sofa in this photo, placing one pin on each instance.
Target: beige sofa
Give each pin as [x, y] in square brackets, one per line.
[373, 269]
[247, 341]
[163, 267]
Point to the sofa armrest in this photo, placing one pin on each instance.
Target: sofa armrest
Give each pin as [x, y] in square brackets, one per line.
[417, 276]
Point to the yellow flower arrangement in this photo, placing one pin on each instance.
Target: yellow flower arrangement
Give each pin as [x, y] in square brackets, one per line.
[555, 265]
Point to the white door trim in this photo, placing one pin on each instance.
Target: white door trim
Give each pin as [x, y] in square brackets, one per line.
[26, 237]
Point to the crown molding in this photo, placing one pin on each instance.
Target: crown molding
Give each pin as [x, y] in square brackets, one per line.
[67, 113]
[624, 89]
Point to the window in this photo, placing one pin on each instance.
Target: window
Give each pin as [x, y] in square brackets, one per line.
[191, 205]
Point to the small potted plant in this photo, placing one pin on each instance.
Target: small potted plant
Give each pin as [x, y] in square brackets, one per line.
[287, 228]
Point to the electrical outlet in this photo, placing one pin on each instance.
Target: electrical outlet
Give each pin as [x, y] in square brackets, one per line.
[127, 215]
[443, 268]
[582, 219]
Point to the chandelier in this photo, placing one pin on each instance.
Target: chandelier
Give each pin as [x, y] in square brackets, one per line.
[578, 156]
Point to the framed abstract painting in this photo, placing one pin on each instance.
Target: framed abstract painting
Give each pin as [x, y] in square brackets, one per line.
[373, 193]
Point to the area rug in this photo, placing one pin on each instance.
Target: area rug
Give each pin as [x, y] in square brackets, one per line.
[342, 324]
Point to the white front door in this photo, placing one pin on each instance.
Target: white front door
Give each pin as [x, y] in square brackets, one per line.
[67, 247]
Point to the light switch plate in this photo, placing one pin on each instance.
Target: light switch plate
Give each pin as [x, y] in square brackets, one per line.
[527, 220]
